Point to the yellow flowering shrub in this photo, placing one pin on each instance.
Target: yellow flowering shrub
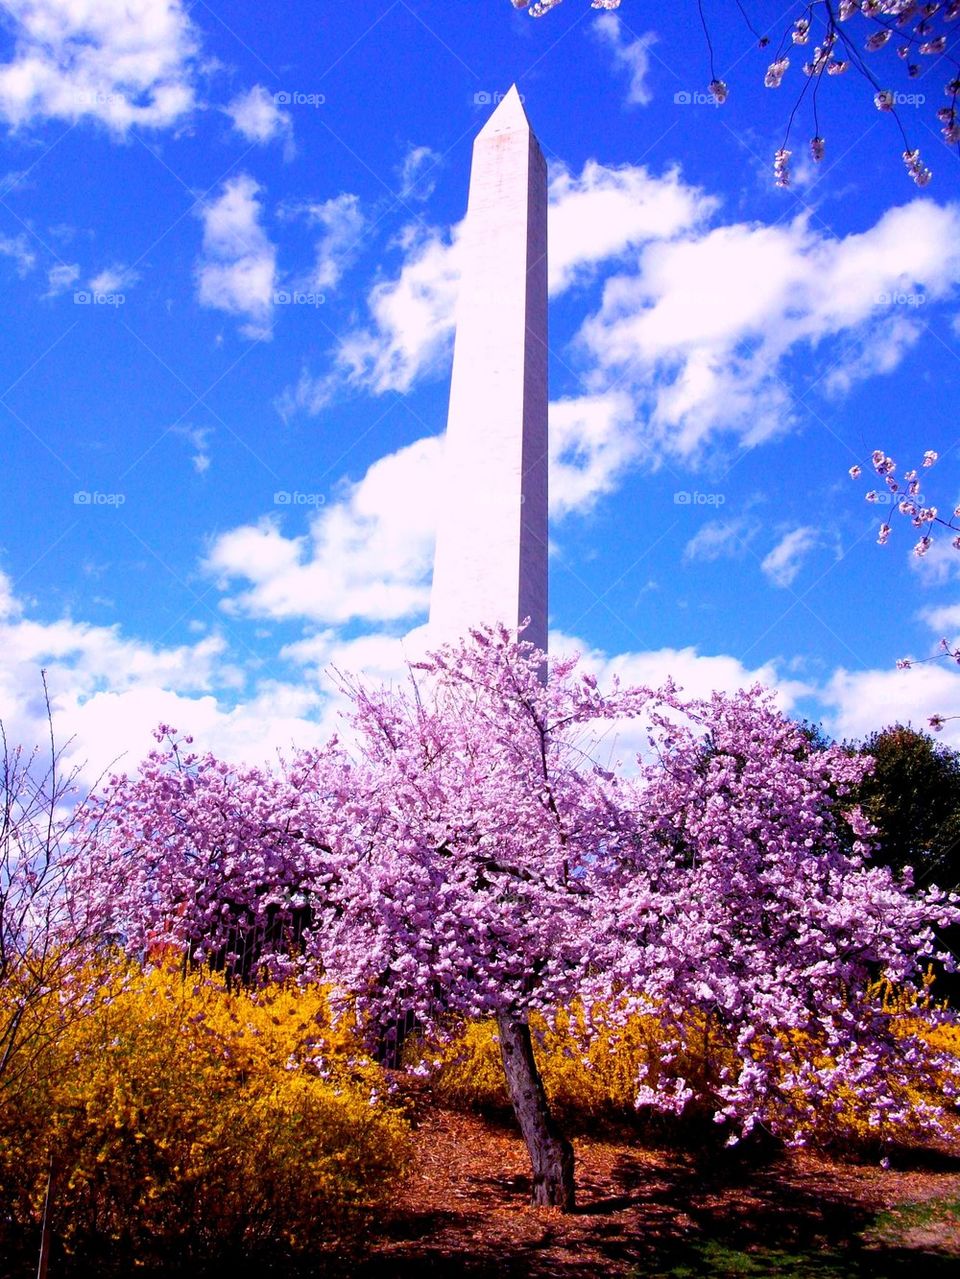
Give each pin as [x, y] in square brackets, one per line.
[591, 1066]
[177, 1113]
[846, 1114]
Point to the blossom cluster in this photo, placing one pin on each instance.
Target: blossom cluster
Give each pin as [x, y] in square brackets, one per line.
[913, 32]
[908, 500]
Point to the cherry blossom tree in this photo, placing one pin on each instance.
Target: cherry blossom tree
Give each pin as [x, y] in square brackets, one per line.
[194, 852]
[885, 42]
[461, 854]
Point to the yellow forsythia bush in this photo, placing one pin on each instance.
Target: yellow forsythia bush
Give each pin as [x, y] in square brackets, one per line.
[591, 1069]
[177, 1115]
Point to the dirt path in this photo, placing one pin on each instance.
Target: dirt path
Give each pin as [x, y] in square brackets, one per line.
[646, 1213]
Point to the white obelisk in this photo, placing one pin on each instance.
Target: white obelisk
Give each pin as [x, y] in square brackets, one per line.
[491, 557]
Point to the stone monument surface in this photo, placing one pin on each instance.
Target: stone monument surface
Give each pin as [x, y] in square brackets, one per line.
[491, 556]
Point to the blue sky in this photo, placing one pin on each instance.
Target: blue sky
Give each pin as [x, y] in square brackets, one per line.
[228, 246]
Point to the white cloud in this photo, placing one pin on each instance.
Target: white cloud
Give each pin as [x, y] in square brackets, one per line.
[598, 215]
[607, 212]
[719, 540]
[310, 393]
[198, 437]
[940, 564]
[237, 270]
[123, 62]
[781, 565]
[944, 619]
[591, 444]
[416, 180]
[367, 555]
[109, 691]
[631, 56]
[413, 317]
[342, 222]
[257, 117]
[696, 674]
[862, 701]
[61, 277]
[701, 329]
[114, 279]
[16, 247]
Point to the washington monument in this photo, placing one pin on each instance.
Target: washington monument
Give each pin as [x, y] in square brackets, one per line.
[491, 557]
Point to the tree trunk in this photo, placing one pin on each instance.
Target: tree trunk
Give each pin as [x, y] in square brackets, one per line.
[45, 1227]
[550, 1153]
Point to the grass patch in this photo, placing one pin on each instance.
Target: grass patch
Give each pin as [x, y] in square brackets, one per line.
[929, 1214]
[714, 1260]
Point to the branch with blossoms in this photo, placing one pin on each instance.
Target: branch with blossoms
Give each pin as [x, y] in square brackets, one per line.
[936, 722]
[910, 503]
[914, 31]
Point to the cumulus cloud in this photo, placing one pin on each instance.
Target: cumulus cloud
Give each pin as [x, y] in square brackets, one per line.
[782, 565]
[701, 325]
[123, 62]
[702, 328]
[110, 690]
[598, 215]
[631, 56]
[859, 702]
[591, 444]
[367, 555]
[412, 317]
[608, 212]
[696, 674]
[944, 619]
[107, 690]
[257, 117]
[237, 269]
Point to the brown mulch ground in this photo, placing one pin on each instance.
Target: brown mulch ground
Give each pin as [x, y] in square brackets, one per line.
[655, 1212]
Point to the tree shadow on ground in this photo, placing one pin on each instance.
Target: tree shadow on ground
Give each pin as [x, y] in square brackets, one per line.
[705, 1215]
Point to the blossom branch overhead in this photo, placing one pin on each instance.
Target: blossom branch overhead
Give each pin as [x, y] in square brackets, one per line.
[915, 34]
[910, 502]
